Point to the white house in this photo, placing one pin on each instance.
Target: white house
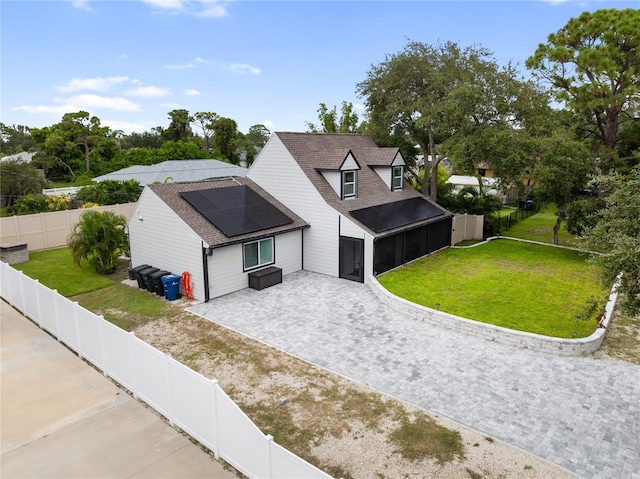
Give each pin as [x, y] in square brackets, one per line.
[219, 231]
[335, 204]
[363, 219]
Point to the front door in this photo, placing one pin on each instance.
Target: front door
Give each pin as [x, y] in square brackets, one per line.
[352, 259]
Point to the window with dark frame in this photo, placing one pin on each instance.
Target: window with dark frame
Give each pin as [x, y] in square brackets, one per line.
[257, 253]
[396, 183]
[349, 184]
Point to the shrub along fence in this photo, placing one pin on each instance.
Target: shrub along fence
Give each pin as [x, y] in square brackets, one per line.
[49, 230]
[187, 399]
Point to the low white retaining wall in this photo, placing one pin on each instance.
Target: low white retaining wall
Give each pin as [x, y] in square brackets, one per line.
[536, 342]
[187, 399]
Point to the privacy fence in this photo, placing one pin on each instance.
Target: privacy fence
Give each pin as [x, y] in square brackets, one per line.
[49, 230]
[467, 227]
[187, 399]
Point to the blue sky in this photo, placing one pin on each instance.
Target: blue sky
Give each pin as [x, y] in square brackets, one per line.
[269, 62]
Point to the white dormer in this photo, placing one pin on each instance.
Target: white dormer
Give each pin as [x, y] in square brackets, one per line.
[344, 179]
[392, 173]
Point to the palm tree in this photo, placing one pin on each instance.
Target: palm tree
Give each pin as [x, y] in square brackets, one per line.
[99, 238]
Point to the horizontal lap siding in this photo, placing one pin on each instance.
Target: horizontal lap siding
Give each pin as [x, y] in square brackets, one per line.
[277, 172]
[161, 239]
[226, 273]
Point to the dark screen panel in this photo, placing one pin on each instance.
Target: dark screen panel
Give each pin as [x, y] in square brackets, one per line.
[236, 210]
[393, 215]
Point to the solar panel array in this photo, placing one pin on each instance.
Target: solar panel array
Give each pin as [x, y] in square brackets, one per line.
[394, 215]
[236, 210]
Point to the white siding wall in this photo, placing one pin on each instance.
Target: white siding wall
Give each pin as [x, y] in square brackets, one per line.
[334, 178]
[349, 228]
[398, 160]
[349, 163]
[385, 174]
[368, 256]
[278, 173]
[163, 240]
[225, 264]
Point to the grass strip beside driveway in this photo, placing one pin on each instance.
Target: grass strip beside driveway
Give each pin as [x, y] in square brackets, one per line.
[526, 287]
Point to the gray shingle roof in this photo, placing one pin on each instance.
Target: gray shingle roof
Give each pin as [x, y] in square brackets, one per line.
[170, 194]
[310, 150]
[175, 170]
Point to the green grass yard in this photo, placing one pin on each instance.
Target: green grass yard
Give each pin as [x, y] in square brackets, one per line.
[539, 227]
[527, 287]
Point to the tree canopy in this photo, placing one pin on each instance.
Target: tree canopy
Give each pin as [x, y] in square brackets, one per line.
[616, 235]
[449, 100]
[330, 122]
[593, 67]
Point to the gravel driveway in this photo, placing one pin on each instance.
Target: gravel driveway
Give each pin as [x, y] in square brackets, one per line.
[580, 413]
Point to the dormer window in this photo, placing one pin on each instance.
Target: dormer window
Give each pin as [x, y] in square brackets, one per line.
[349, 184]
[396, 180]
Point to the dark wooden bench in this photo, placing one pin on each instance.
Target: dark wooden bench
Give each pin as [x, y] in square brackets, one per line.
[266, 277]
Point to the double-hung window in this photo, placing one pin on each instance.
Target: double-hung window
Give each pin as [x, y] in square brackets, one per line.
[396, 180]
[258, 253]
[349, 184]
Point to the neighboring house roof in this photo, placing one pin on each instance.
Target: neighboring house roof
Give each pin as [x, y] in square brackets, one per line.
[462, 180]
[175, 170]
[22, 157]
[314, 152]
[170, 193]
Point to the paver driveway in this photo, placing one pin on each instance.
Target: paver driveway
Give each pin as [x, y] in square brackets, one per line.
[577, 412]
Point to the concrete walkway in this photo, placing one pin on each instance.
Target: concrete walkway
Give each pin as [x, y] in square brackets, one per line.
[60, 418]
[577, 412]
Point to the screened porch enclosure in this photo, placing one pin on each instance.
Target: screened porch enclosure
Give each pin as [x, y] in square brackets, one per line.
[405, 246]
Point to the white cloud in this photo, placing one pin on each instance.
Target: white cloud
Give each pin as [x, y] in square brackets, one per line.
[55, 109]
[180, 67]
[359, 107]
[124, 56]
[202, 60]
[150, 91]
[126, 126]
[199, 8]
[88, 101]
[92, 84]
[172, 106]
[555, 2]
[165, 4]
[269, 124]
[192, 92]
[212, 9]
[82, 5]
[244, 68]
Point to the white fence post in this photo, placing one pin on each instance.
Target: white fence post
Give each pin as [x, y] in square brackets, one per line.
[216, 423]
[134, 382]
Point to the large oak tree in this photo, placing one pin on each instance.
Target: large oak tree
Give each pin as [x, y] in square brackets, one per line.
[447, 98]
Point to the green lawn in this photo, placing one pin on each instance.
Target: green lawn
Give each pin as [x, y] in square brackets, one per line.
[56, 269]
[539, 227]
[122, 305]
[534, 288]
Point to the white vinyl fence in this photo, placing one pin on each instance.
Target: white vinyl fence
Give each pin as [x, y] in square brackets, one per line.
[49, 230]
[466, 227]
[187, 399]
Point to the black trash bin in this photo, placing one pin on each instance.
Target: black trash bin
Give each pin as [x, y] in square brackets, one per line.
[148, 281]
[141, 276]
[156, 279]
[133, 272]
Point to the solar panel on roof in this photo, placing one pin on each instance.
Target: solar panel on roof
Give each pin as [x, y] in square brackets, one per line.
[236, 210]
[399, 213]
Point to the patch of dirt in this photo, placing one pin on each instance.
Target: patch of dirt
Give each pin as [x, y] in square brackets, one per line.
[340, 426]
[622, 341]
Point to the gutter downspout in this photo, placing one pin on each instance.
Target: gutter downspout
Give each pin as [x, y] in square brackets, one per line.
[205, 271]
